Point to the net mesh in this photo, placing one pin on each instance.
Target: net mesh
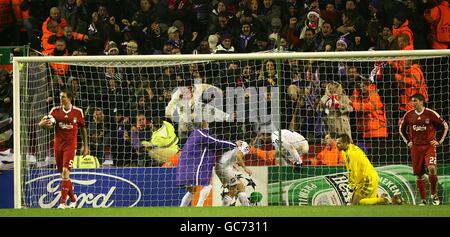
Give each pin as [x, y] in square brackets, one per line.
[125, 102]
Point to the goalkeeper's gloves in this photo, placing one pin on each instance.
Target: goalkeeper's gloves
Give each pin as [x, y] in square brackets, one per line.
[350, 192]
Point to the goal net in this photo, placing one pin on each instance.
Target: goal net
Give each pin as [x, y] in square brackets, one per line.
[139, 112]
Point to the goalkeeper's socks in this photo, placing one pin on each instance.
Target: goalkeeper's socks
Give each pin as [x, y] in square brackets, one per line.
[243, 199]
[186, 199]
[71, 192]
[226, 200]
[433, 179]
[64, 190]
[203, 195]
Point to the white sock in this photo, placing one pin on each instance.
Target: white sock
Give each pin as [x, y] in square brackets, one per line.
[186, 199]
[203, 195]
[242, 196]
[226, 200]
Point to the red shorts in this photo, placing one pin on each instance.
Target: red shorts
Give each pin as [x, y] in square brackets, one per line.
[422, 157]
[65, 159]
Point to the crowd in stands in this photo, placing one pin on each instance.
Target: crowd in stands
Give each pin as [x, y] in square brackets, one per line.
[125, 106]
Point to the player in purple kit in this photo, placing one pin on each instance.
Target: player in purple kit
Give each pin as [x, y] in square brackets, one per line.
[421, 124]
[196, 162]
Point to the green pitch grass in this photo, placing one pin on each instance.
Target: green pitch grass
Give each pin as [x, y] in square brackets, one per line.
[300, 211]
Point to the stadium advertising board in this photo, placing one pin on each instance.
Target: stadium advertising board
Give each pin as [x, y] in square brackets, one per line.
[129, 187]
[101, 188]
[257, 183]
[330, 187]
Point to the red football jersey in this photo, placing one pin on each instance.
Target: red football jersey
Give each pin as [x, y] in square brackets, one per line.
[67, 122]
[422, 127]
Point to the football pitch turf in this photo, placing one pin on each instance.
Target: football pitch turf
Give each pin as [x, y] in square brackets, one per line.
[278, 211]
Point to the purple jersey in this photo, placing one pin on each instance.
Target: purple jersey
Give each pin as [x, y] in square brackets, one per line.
[198, 157]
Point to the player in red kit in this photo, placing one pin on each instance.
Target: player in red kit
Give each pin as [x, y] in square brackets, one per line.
[67, 117]
[421, 124]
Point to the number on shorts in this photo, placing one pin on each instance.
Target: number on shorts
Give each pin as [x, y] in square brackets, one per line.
[70, 163]
[433, 160]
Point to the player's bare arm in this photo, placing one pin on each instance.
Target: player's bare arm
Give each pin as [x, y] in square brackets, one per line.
[85, 148]
[241, 163]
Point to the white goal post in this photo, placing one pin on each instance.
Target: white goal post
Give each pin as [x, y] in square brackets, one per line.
[279, 182]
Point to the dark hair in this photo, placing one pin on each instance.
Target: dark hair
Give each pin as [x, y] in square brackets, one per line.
[418, 96]
[68, 92]
[345, 138]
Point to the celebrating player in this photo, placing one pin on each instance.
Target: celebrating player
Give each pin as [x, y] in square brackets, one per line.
[228, 175]
[196, 162]
[294, 143]
[362, 177]
[422, 123]
[67, 118]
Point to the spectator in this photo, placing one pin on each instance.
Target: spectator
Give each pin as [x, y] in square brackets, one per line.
[385, 40]
[203, 48]
[174, 37]
[49, 37]
[99, 137]
[327, 36]
[308, 42]
[337, 107]
[417, 24]
[270, 10]
[140, 131]
[132, 48]
[55, 15]
[371, 115]
[404, 43]
[163, 143]
[438, 38]
[267, 74]
[401, 26]
[246, 40]
[411, 81]
[60, 69]
[152, 39]
[262, 43]
[331, 14]
[225, 45]
[76, 14]
[212, 41]
[330, 155]
[6, 93]
[73, 39]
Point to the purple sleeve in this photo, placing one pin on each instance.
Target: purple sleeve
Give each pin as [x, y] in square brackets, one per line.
[135, 140]
[216, 144]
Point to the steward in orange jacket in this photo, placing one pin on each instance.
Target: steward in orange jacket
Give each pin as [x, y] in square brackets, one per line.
[433, 17]
[330, 155]
[411, 81]
[55, 15]
[371, 118]
[400, 26]
[60, 50]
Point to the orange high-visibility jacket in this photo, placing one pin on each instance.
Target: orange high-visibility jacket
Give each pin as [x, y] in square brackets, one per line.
[10, 9]
[372, 117]
[411, 81]
[433, 17]
[330, 156]
[404, 28]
